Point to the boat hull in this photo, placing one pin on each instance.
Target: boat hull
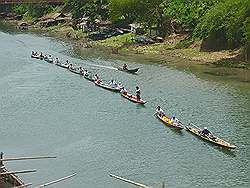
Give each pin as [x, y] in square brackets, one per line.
[133, 98]
[167, 121]
[132, 71]
[62, 66]
[215, 140]
[106, 86]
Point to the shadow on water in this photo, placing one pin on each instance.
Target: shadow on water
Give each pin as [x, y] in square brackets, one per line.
[226, 151]
[176, 131]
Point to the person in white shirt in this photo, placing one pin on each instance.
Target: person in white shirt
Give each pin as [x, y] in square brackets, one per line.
[123, 91]
[159, 111]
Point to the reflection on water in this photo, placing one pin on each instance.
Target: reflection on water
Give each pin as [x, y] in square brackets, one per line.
[48, 110]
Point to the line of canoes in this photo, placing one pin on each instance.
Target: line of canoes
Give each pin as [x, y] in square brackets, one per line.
[175, 124]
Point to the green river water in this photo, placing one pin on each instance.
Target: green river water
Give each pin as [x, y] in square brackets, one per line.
[46, 110]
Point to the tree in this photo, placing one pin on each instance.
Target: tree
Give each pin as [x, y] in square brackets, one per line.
[226, 18]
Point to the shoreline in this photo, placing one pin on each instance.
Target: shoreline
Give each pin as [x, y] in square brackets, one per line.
[119, 44]
[209, 64]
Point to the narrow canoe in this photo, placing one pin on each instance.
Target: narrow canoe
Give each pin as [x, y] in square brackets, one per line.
[167, 121]
[218, 141]
[89, 78]
[133, 71]
[75, 72]
[133, 98]
[49, 60]
[65, 66]
[37, 57]
[107, 86]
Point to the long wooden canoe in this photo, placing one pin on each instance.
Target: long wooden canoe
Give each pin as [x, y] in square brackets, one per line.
[47, 59]
[37, 57]
[107, 86]
[89, 77]
[132, 71]
[133, 98]
[214, 139]
[167, 121]
[75, 71]
[65, 66]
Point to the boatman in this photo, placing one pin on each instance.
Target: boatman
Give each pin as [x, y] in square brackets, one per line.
[159, 111]
[138, 93]
[125, 66]
[206, 132]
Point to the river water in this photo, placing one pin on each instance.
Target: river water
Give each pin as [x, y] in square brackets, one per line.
[46, 110]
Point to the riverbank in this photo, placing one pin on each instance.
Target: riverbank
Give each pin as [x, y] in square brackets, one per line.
[171, 49]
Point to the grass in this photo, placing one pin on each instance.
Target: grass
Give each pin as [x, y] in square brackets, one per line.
[117, 41]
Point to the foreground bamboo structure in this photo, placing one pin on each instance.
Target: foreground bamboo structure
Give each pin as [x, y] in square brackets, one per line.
[9, 179]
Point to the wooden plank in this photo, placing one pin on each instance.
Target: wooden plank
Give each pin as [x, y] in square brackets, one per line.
[17, 172]
[129, 181]
[24, 186]
[26, 158]
[56, 181]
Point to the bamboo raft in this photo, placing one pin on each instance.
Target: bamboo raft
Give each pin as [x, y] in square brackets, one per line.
[9, 179]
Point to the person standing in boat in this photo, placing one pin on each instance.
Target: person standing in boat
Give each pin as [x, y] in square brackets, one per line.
[138, 93]
[159, 111]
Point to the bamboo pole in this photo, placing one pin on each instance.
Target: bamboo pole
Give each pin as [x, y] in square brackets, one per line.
[24, 186]
[56, 181]
[17, 172]
[27, 158]
[129, 181]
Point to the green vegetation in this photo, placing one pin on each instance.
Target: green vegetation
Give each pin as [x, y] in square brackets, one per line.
[33, 10]
[227, 18]
[219, 24]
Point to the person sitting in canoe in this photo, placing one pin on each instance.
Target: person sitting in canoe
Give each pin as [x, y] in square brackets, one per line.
[97, 79]
[125, 67]
[71, 66]
[41, 55]
[113, 83]
[124, 91]
[173, 119]
[138, 93]
[205, 132]
[85, 72]
[81, 70]
[33, 53]
[57, 61]
[159, 111]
